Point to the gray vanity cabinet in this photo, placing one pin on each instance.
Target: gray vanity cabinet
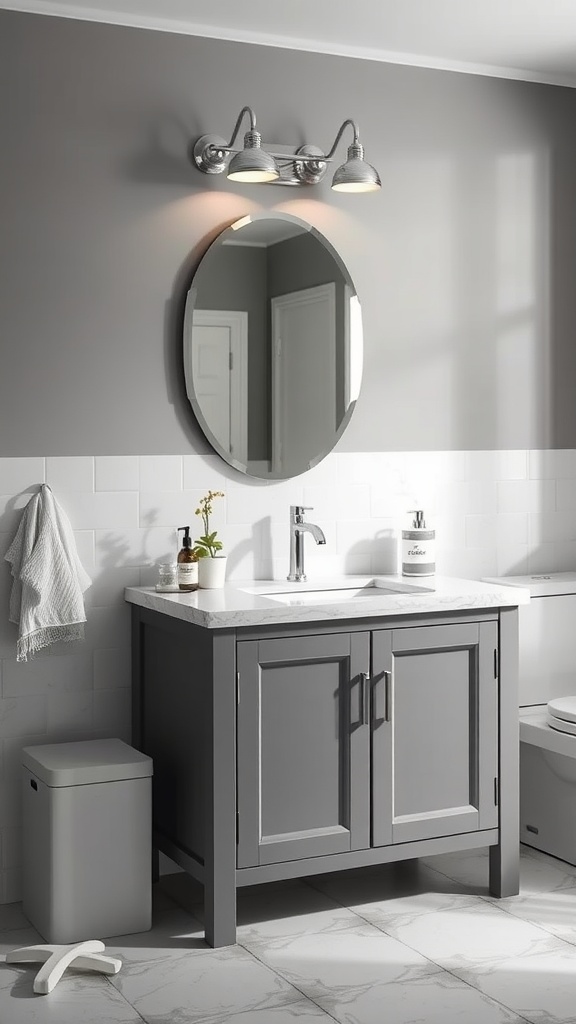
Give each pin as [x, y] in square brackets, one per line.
[303, 747]
[348, 741]
[284, 750]
[434, 731]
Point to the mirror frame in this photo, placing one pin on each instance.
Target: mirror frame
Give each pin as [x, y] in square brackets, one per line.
[187, 347]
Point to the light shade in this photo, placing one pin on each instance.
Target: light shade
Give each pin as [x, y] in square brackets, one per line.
[253, 163]
[356, 175]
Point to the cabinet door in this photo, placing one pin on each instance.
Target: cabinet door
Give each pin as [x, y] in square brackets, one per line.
[303, 747]
[434, 731]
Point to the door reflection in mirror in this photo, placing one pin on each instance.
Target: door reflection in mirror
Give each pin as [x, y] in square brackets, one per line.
[272, 346]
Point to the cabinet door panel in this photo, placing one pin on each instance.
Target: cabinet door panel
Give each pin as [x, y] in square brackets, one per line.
[303, 748]
[435, 760]
[433, 692]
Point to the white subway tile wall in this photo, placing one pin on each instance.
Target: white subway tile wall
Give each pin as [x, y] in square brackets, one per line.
[495, 513]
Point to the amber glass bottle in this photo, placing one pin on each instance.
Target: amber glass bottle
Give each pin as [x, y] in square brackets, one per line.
[187, 563]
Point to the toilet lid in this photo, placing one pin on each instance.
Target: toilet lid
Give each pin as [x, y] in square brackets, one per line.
[563, 708]
[561, 725]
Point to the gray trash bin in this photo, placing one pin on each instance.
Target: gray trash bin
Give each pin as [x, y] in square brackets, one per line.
[87, 810]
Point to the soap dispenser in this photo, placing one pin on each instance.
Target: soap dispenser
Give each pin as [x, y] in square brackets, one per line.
[418, 548]
[187, 563]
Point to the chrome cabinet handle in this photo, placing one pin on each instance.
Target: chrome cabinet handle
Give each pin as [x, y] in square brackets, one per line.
[387, 696]
[365, 698]
[382, 698]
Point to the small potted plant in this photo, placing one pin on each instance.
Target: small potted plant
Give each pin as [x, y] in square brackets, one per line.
[212, 563]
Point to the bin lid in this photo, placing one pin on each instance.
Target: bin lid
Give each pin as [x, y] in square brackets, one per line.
[540, 584]
[85, 762]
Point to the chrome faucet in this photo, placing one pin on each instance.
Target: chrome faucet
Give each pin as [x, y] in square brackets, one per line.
[297, 530]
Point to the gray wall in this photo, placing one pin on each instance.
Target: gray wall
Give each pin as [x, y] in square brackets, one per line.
[465, 263]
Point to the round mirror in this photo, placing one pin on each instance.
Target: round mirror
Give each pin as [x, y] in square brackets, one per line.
[272, 346]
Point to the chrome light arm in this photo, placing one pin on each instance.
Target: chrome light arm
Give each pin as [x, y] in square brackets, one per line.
[341, 131]
[210, 150]
[311, 163]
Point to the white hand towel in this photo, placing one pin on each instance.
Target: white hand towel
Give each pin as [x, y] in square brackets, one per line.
[49, 580]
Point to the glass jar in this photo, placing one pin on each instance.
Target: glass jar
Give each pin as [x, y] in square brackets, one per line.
[167, 576]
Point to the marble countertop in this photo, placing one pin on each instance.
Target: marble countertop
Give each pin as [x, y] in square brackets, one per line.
[277, 602]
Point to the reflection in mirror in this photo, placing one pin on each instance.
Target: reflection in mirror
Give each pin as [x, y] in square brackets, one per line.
[272, 346]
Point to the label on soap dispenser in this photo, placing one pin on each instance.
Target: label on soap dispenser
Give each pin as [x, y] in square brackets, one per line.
[418, 552]
[187, 574]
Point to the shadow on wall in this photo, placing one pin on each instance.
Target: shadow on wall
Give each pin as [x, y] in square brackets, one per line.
[476, 350]
[116, 553]
[13, 508]
[166, 158]
[121, 566]
[379, 553]
[259, 546]
[8, 631]
[385, 551]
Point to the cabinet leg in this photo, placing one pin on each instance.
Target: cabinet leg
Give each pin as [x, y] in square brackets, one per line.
[220, 807]
[504, 862]
[505, 857]
[219, 914]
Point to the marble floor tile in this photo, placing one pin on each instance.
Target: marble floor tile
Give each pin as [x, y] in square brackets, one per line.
[386, 881]
[544, 874]
[303, 1012]
[381, 896]
[263, 916]
[12, 916]
[469, 867]
[17, 937]
[161, 898]
[546, 858]
[78, 997]
[207, 988]
[553, 911]
[175, 933]
[479, 936]
[540, 986]
[388, 914]
[538, 872]
[436, 999]
[418, 943]
[338, 958]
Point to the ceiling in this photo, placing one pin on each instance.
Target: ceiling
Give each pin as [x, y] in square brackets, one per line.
[526, 39]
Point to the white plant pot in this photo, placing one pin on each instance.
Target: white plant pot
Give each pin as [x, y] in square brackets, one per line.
[212, 572]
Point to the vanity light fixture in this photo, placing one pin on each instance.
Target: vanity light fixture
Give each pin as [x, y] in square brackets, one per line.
[306, 165]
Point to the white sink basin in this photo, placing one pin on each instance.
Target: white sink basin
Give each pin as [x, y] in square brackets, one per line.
[323, 596]
[340, 595]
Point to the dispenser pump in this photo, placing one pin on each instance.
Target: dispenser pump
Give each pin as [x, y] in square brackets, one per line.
[418, 523]
[186, 542]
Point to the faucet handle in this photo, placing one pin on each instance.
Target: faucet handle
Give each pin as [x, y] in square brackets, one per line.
[299, 510]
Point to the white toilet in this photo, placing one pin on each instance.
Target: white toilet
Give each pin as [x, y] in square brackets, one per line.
[547, 691]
